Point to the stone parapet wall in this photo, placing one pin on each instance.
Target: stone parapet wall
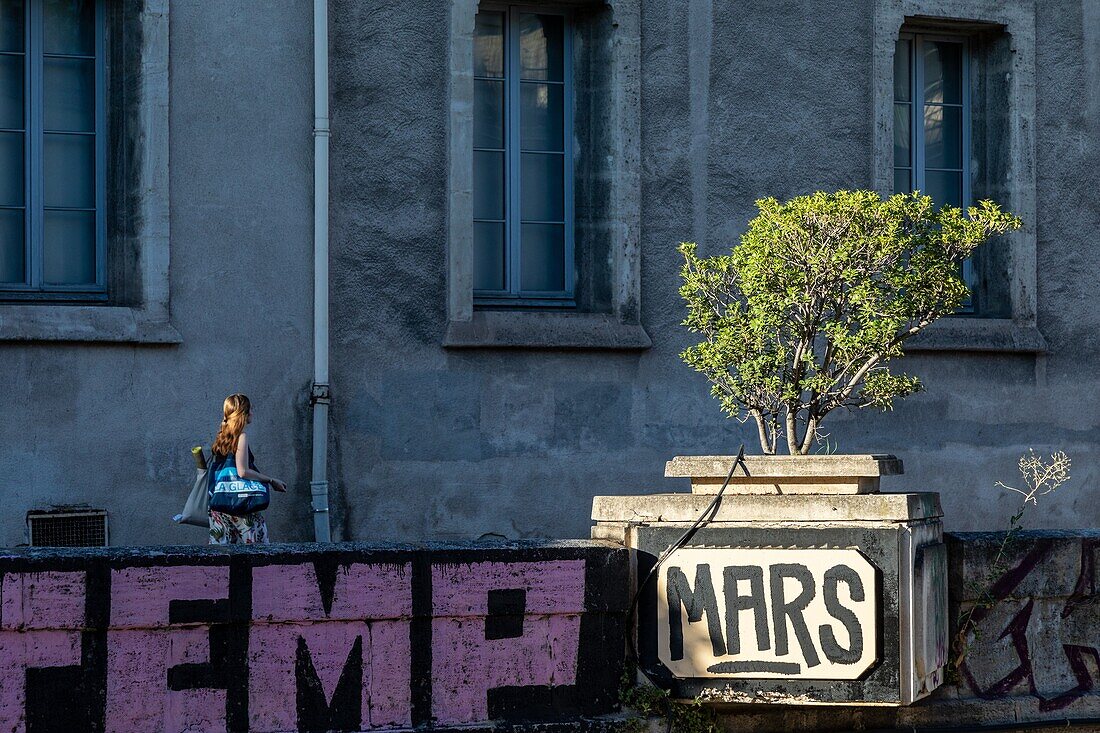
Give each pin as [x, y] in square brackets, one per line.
[1036, 655]
[363, 637]
[310, 638]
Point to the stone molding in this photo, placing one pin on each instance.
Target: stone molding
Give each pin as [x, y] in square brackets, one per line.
[533, 330]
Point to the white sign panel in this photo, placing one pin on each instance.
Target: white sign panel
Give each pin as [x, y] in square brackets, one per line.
[773, 613]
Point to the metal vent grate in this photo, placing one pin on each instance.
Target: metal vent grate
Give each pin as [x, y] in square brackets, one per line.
[68, 528]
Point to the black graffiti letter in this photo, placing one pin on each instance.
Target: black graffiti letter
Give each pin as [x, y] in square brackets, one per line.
[845, 616]
[755, 600]
[697, 603]
[781, 610]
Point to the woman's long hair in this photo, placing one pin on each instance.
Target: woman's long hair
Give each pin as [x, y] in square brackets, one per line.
[235, 409]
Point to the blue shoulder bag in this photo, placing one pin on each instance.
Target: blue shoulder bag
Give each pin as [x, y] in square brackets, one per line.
[230, 494]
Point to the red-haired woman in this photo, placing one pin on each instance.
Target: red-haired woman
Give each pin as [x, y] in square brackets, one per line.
[231, 451]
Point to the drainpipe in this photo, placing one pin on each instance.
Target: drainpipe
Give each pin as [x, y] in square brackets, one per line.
[320, 396]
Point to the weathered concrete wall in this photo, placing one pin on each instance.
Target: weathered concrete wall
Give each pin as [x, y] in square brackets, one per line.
[111, 425]
[737, 101]
[308, 639]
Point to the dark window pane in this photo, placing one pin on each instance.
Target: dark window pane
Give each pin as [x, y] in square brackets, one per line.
[488, 256]
[542, 191]
[541, 47]
[488, 185]
[11, 25]
[543, 253]
[902, 180]
[489, 44]
[488, 114]
[902, 135]
[541, 116]
[942, 72]
[945, 187]
[68, 94]
[68, 247]
[11, 247]
[942, 137]
[11, 92]
[11, 169]
[68, 26]
[902, 74]
[68, 170]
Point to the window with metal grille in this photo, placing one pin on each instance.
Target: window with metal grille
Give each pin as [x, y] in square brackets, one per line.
[68, 528]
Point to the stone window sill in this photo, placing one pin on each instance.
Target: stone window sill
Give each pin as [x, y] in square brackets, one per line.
[534, 330]
[88, 323]
[993, 335]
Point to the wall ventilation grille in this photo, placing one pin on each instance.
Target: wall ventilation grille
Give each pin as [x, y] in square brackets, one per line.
[68, 528]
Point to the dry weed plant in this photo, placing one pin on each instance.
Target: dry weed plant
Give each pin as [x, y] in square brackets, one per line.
[1041, 476]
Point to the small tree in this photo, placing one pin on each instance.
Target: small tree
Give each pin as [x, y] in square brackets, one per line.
[804, 315]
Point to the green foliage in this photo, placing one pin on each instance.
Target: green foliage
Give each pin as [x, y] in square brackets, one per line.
[804, 315]
[649, 702]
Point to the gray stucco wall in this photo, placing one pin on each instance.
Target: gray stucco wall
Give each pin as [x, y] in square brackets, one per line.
[739, 103]
[111, 425]
[736, 103]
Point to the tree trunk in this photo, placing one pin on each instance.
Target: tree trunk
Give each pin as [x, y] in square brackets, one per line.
[761, 427]
[809, 438]
[794, 445]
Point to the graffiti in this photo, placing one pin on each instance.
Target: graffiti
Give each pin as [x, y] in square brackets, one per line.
[790, 597]
[1082, 661]
[247, 643]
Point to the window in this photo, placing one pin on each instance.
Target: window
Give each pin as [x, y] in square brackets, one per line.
[53, 149]
[932, 121]
[983, 58]
[523, 210]
[596, 246]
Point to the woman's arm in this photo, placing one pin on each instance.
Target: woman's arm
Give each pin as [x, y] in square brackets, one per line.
[244, 471]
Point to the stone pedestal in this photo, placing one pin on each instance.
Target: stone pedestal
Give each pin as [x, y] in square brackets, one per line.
[836, 474]
[789, 598]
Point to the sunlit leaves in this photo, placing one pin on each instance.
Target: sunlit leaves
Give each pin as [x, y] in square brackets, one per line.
[804, 314]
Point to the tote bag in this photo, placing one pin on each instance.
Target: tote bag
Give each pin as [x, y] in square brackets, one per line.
[233, 495]
[196, 510]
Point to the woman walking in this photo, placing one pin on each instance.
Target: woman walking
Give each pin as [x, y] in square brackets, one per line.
[233, 461]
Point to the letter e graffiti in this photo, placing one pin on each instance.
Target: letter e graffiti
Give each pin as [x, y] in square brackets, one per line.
[161, 673]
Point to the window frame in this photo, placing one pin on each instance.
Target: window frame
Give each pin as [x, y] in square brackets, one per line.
[514, 295]
[916, 129]
[33, 288]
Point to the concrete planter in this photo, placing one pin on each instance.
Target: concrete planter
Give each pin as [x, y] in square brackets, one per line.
[807, 586]
[829, 474]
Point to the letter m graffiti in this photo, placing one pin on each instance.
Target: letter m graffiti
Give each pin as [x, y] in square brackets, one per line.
[346, 668]
[698, 602]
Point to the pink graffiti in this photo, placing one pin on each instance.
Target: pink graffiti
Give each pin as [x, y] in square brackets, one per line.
[370, 602]
[40, 618]
[142, 645]
[466, 665]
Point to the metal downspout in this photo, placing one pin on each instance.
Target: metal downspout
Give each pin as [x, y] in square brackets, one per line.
[319, 393]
